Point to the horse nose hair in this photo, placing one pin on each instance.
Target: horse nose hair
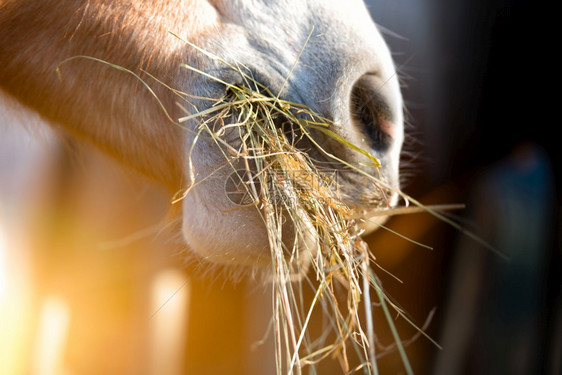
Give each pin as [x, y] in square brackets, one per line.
[371, 112]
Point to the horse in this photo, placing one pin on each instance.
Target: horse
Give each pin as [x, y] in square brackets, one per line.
[107, 74]
[345, 73]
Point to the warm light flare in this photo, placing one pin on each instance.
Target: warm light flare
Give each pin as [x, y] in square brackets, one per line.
[50, 344]
[15, 303]
[2, 266]
[170, 296]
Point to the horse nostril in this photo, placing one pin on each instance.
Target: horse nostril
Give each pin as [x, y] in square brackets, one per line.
[371, 112]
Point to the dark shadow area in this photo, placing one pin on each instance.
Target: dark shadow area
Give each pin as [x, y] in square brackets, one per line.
[481, 131]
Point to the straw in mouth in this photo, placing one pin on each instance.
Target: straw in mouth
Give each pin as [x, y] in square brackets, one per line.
[323, 254]
[286, 186]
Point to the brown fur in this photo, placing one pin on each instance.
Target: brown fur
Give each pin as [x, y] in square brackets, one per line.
[91, 99]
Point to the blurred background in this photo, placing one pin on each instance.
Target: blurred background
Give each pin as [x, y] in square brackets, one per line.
[102, 287]
[475, 81]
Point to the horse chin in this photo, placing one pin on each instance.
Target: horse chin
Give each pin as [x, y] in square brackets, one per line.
[234, 238]
[237, 236]
[222, 231]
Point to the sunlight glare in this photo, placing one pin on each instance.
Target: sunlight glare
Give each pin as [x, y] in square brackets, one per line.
[51, 338]
[170, 298]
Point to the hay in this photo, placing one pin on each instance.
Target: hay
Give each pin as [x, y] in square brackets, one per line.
[286, 186]
[313, 232]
